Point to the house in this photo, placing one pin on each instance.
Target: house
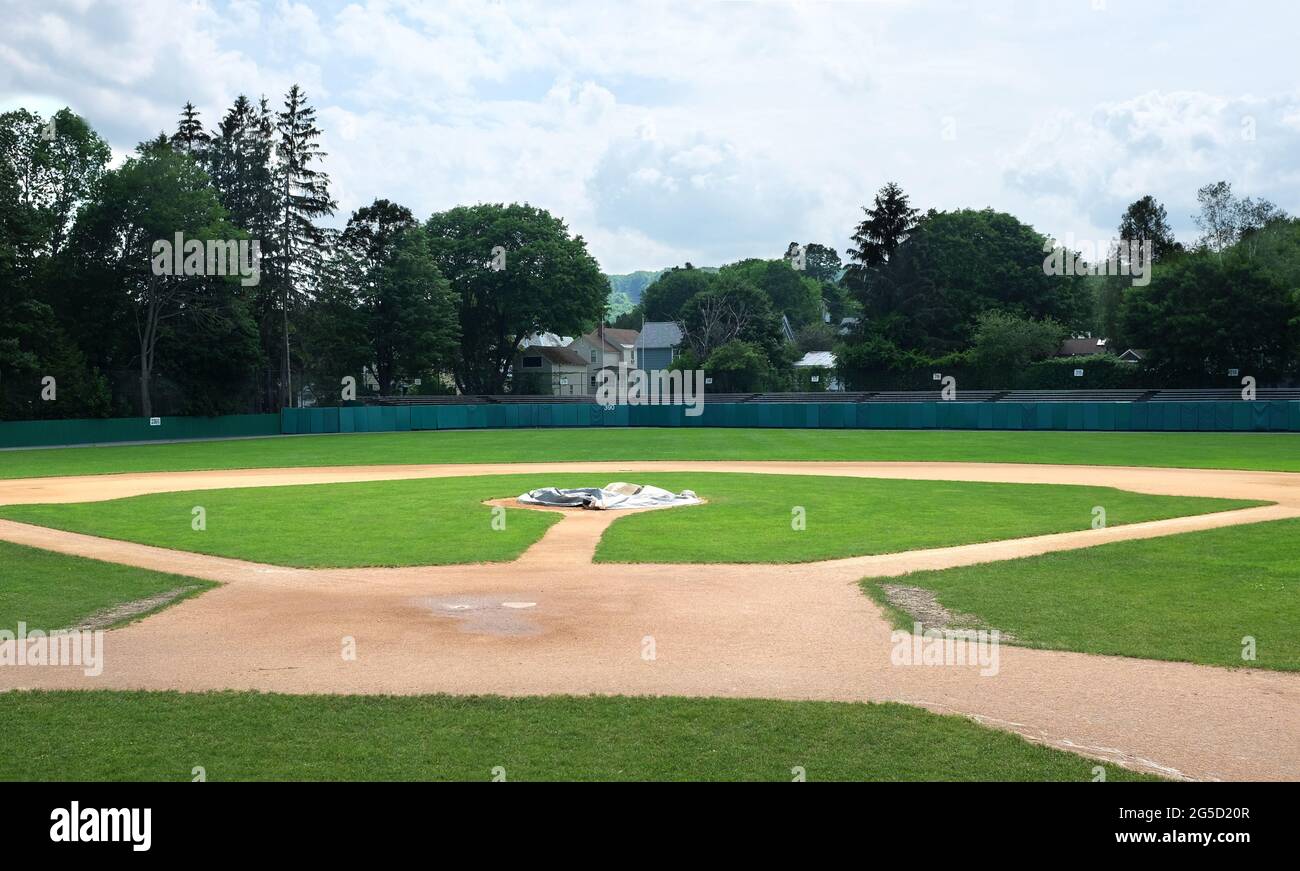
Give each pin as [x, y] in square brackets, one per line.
[1133, 355]
[658, 344]
[559, 371]
[816, 371]
[607, 348]
[1082, 347]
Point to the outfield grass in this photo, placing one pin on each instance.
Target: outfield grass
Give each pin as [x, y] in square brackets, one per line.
[381, 523]
[249, 736]
[748, 519]
[1276, 451]
[52, 591]
[751, 518]
[1191, 597]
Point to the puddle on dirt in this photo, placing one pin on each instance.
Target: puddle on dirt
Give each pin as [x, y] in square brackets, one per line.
[483, 615]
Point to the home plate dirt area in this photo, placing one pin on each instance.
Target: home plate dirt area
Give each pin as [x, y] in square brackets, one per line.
[554, 622]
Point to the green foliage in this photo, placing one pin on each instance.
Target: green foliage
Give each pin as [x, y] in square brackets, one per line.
[1100, 372]
[663, 299]
[1004, 343]
[549, 284]
[1205, 314]
[791, 293]
[822, 263]
[737, 367]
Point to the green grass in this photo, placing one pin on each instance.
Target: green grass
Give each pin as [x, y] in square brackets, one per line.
[102, 735]
[1276, 451]
[52, 591]
[381, 523]
[1191, 597]
[748, 518]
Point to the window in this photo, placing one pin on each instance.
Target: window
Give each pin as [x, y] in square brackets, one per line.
[532, 362]
[594, 352]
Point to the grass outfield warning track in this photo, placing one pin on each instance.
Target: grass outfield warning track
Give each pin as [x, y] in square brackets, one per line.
[259, 736]
[1257, 451]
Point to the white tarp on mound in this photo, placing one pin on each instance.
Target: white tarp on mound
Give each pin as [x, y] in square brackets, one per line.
[615, 495]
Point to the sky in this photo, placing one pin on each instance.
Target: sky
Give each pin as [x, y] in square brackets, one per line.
[709, 132]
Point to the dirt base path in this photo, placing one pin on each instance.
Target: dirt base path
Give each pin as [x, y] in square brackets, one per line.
[553, 622]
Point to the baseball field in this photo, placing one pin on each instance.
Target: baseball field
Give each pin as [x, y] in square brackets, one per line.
[844, 604]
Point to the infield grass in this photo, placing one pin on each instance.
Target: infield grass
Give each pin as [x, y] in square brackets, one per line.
[1193, 597]
[252, 736]
[50, 591]
[440, 521]
[1273, 451]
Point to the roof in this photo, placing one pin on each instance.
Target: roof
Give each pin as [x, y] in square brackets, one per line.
[659, 334]
[546, 340]
[819, 359]
[1081, 347]
[560, 356]
[615, 339]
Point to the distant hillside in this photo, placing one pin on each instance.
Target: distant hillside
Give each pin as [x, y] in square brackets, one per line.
[633, 284]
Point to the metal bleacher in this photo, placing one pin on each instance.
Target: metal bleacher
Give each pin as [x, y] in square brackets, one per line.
[1226, 394]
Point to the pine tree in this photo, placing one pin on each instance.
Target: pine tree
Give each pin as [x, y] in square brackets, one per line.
[888, 222]
[302, 196]
[190, 137]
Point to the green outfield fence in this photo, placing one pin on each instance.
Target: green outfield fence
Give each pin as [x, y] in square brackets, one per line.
[35, 433]
[1268, 416]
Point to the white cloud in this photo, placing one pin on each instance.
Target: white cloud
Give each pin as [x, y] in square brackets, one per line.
[666, 132]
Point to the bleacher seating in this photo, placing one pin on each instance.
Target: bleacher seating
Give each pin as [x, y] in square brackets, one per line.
[1214, 394]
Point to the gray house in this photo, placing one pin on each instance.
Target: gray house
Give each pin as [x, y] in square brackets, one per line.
[658, 344]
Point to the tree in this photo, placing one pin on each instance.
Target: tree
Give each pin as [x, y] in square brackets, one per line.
[956, 265]
[737, 367]
[1145, 220]
[190, 137]
[790, 292]
[412, 323]
[1224, 218]
[1004, 344]
[52, 168]
[151, 197]
[303, 197]
[239, 160]
[1203, 315]
[664, 298]
[547, 283]
[887, 224]
[821, 262]
[47, 171]
[732, 309]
